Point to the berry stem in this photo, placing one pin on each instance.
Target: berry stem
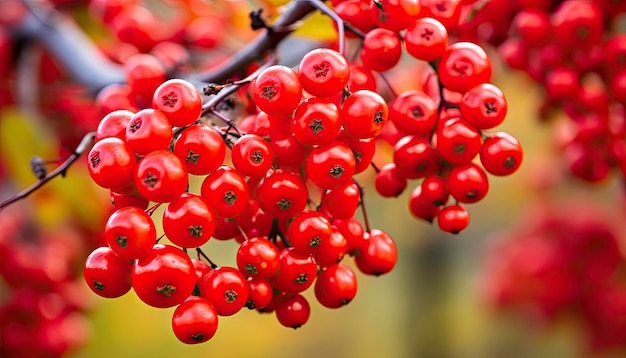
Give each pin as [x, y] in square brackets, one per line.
[322, 197]
[153, 208]
[341, 25]
[443, 103]
[204, 256]
[241, 231]
[229, 122]
[366, 220]
[388, 84]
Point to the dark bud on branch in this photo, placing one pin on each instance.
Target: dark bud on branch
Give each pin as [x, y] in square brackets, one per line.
[256, 21]
[38, 167]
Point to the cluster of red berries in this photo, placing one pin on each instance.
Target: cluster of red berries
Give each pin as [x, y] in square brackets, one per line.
[285, 189]
[261, 199]
[575, 51]
[563, 261]
[439, 136]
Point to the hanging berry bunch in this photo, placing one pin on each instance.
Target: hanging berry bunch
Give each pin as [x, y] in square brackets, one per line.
[276, 149]
[574, 50]
[444, 136]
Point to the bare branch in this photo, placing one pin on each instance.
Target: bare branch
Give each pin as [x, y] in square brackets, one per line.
[269, 40]
[85, 145]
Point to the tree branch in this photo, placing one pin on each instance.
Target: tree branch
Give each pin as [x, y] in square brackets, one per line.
[84, 146]
[87, 65]
[269, 40]
[69, 45]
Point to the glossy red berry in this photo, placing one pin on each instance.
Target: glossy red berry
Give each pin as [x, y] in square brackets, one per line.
[111, 163]
[165, 278]
[316, 121]
[331, 166]
[188, 221]
[161, 177]
[389, 182]
[464, 65]
[149, 130]
[296, 273]
[227, 192]
[484, 106]
[277, 90]
[413, 113]
[114, 124]
[426, 39]
[394, 15]
[226, 288]
[335, 286]
[415, 158]
[309, 232]
[252, 155]
[195, 320]
[378, 255]
[282, 194]
[107, 274]
[501, 154]
[323, 72]
[458, 142]
[130, 232]
[293, 311]
[258, 257]
[468, 183]
[201, 148]
[179, 100]
[381, 49]
[364, 114]
[260, 293]
[453, 219]
[342, 203]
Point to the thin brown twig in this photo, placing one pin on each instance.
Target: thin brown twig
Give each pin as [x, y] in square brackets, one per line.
[85, 144]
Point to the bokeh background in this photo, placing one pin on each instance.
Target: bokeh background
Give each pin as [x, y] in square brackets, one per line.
[435, 303]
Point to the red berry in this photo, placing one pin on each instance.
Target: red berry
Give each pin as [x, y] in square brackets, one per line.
[468, 183]
[226, 288]
[252, 155]
[111, 163]
[165, 278]
[501, 154]
[130, 232]
[179, 101]
[107, 274]
[188, 221]
[323, 72]
[453, 219]
[194, 321]
[364, 114]
[330, 166]
[258, 257]
[378, 255]
[227, 192]
[201, 148]
[335, 286]
[293, 311]
[161, 177]
[277, 90]
[282, 194]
